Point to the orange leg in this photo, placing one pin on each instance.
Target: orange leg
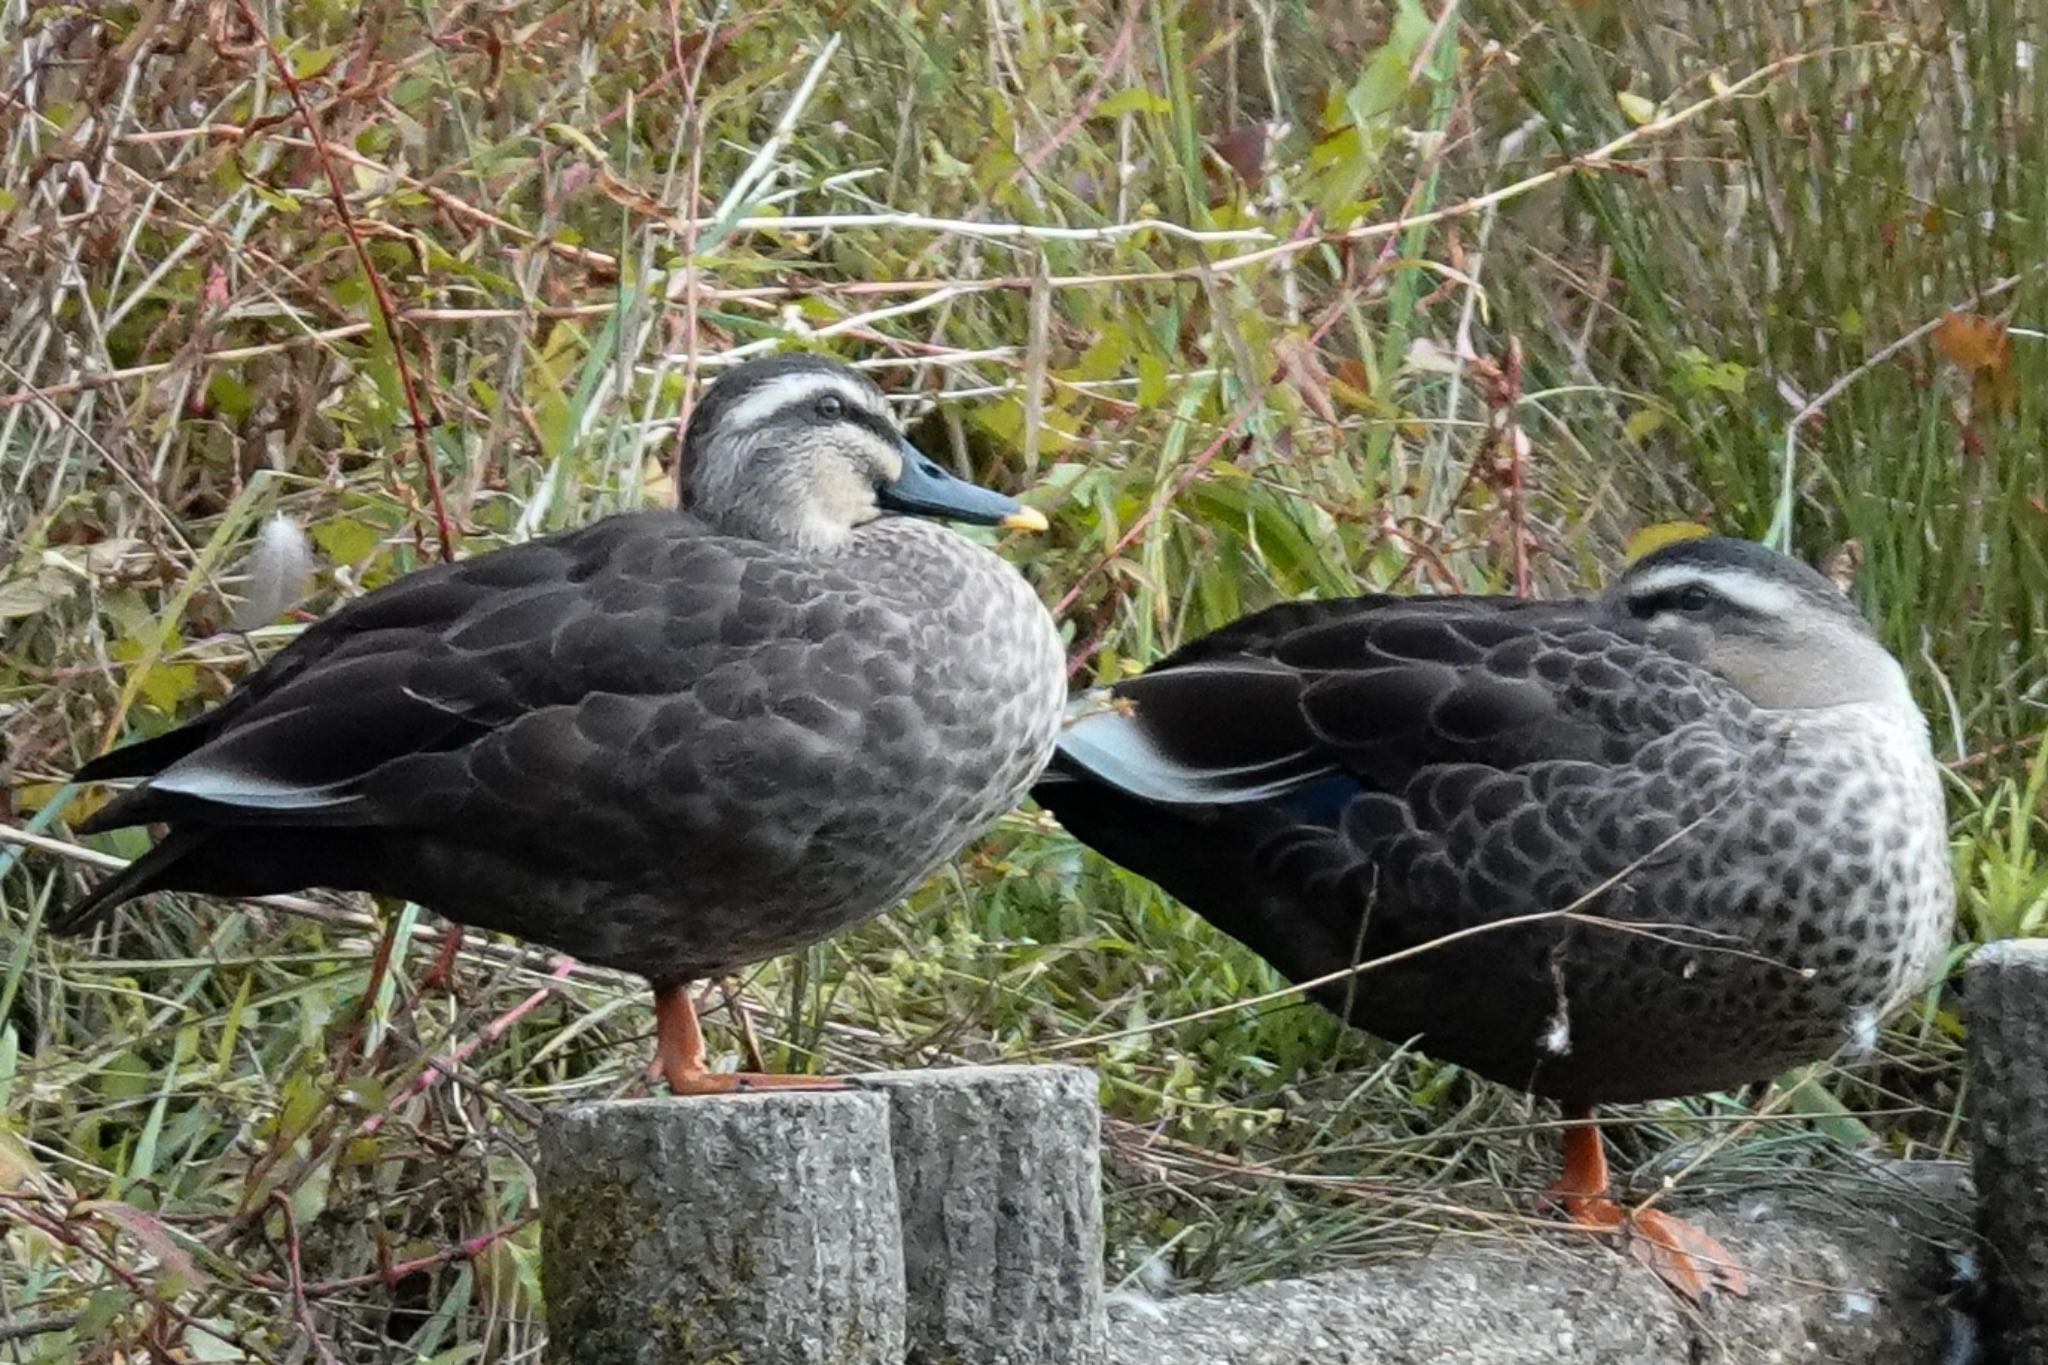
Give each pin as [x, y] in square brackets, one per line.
[679, 1055]
[1683, 1257]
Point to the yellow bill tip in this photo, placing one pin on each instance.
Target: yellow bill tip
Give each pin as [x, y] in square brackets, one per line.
[1024, 519]
[1656, 537]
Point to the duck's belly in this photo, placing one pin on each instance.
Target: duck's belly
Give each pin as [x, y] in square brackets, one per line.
[1780, 934]
[674, 884]
[702, 926]
[661, 917]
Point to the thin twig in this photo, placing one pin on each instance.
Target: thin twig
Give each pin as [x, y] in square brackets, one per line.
[296, 1282]
[1780, 533]
[36, 1327]
[1599, 158]
[440, 1068]
[1112, 63]
[62, 1230]
[467, 1249]
[387, 311]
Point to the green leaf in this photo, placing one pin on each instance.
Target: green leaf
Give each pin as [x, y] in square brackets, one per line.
[126, 1077]
[309, 1199]
[1635, 108]
[1806, 1095]
[231, 1027]
[1384, 82]
[100, 1311]
[1151, 379]
[10, 1061]
[1105, 358]
[1136, 100]
[1642, 422]
[300, 1102]
[309, 62]
[346, 540]
[165, 685]
[944, 165]
[1700, 373]
[207, 1341]
[18, 1165]
[228, 394]
[577, 138]
[28, 596]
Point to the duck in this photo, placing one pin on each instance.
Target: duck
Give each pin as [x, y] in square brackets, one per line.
[673, 742]
[1670, 839]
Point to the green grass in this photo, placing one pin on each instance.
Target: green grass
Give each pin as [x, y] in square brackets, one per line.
[1733, 315]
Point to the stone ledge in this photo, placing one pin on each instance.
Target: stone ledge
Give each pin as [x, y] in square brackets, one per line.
[1829, 1282]
[2007, 992]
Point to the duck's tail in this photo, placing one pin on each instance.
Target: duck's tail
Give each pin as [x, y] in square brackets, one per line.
[148, 873]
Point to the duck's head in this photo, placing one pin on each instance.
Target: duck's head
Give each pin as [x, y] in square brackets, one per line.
[799, 450]
[1767, 623]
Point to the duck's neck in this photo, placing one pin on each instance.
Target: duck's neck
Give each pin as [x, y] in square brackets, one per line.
[797, 529]
[913, 558]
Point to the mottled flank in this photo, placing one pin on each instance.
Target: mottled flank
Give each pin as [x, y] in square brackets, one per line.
[652, 743]
[1713, 768]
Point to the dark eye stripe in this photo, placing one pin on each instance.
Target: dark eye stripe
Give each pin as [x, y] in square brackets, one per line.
[1674, 599]
[1656, 603]
[873, 421]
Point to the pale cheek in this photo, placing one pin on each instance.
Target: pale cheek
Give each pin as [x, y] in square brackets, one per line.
[1679, 636]
[848, 499]
[1749, 669]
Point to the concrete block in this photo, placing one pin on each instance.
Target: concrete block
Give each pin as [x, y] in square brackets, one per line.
[998, 1173]
[752, 1229]
[1856, 1267]
[2007, 990]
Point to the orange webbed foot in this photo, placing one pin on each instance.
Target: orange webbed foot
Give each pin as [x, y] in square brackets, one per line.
[679, 1056]
[1685, 1258]
[682, 1082]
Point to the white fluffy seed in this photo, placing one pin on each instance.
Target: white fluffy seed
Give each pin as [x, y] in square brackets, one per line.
[276, 574]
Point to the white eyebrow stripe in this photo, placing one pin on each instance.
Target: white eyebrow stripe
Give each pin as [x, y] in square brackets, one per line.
[1740, 586]
[792, 390]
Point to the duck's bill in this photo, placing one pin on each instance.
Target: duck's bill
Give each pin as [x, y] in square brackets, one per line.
[923, 489]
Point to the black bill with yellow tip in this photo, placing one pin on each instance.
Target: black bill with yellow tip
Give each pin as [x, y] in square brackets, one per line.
[924, 489]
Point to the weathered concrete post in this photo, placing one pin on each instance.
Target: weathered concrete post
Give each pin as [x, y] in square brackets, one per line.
[999, 1175]
[756, 1229]
[2007, 989]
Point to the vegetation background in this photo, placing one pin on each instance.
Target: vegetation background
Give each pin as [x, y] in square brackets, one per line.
[1262, 298]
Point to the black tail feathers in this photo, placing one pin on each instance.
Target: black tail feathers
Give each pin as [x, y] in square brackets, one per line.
[144, 758]
[144, 875]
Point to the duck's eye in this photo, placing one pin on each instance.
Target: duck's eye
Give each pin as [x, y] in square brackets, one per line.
[831, 407]
[1692, 597]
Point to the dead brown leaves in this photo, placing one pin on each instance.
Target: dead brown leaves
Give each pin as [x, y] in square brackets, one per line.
[1981, 347]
